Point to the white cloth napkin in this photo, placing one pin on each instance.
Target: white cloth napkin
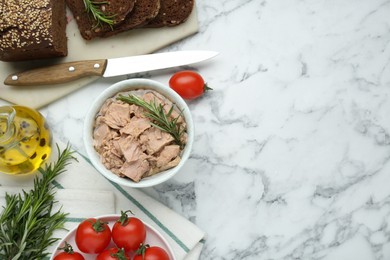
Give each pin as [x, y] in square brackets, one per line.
[83, 193]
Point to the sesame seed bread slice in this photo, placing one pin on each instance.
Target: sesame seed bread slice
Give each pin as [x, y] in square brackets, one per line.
[88, 26]
[172, 12]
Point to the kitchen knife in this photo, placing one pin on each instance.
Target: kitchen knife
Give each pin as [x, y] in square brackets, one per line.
[69, 71]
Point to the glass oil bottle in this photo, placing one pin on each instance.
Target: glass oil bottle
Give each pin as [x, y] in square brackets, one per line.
[25, 140]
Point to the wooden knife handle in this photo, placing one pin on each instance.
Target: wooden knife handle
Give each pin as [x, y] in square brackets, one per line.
[59, 73]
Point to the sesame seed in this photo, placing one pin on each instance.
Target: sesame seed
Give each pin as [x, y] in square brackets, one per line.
[25, 24]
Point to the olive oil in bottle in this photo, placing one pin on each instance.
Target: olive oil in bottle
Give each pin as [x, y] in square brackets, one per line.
[25, 140]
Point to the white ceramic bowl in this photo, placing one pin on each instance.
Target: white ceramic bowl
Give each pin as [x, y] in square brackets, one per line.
[133, 84]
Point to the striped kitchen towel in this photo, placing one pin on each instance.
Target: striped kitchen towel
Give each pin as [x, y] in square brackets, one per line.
[83, 193]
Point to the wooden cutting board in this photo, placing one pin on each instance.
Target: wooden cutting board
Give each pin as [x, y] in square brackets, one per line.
[135, 42]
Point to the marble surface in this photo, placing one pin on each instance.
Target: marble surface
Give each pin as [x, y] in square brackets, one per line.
[291, 158]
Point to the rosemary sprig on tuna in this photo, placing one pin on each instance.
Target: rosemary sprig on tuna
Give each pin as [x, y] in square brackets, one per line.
[27, 222]
[93, 8]
[160, 118]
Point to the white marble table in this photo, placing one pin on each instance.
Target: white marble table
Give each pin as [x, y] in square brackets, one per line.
[292, 147]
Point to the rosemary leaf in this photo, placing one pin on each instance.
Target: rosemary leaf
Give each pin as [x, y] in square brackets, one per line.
[100, 17]
[160, 119]
[27, 221]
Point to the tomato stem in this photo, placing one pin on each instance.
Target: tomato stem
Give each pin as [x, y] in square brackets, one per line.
[120, 255]
[67, 248]
[206, 87]
[98, 226]
[141, 250]
[124, 218]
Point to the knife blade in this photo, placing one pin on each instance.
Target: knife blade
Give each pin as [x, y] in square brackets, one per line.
[69, 71]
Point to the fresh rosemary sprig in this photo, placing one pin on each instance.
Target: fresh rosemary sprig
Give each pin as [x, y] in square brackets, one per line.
[100, 17]
[27, 222]
[160, 119]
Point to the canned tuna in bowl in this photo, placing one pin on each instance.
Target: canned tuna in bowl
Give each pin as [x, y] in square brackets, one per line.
[138, 133]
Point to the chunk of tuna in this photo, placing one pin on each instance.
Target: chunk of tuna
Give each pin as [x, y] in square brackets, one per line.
[153, 140]
[105, 106]
[136, 126]
[136, 111]
[167, 166]
[117, 115]
[136, 169]
[111, 161]
[101, 134]
[171, 164]
[151, 97]
[167, 154]
[130, 149]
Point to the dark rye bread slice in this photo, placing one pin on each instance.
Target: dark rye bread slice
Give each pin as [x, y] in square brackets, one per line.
[172, 12]
[143, 12]
[32, 29]
[119, 9]
[88, 26]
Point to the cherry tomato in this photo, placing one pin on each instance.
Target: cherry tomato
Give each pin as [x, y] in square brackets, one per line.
[68, 254]
[113, 253]
[188, 84]
[93, 236]
[128, 232]
[146, 252]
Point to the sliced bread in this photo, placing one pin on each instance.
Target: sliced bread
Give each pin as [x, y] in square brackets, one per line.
[118, 9]
[143, 12]
[172, 12]
[89, 26]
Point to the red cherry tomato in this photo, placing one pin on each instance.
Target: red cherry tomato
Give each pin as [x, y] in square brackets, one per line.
[146, 252]
[113, 253]
[68, 254]
[93, 236]
[128, 232]
[188, 84]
